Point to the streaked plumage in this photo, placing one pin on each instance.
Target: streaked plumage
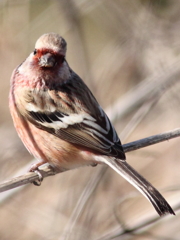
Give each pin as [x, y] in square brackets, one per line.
[60, 121]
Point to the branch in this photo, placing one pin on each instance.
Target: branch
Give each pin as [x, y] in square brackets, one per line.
[47, 171]
[116, 233]
[128, 147]
[148, 88]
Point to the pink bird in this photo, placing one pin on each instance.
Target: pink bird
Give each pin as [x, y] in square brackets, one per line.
[61, 123]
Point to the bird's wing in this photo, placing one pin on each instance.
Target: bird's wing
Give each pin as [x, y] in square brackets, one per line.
[80, 122]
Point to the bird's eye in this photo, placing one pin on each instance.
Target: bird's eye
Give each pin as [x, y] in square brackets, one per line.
[35, 51]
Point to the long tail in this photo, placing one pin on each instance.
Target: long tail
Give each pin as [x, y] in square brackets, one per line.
[125, 170]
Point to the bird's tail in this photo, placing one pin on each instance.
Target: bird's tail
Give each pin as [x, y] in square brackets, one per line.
[125, 170]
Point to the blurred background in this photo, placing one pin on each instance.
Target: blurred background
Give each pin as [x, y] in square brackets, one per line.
[128, 53]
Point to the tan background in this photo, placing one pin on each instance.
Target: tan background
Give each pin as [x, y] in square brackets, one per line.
[115, 46]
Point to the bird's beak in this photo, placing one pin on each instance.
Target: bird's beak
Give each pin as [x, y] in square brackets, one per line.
[47, 60]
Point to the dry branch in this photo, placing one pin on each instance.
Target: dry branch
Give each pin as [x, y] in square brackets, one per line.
[147, 89]
[46, 171]
[128, 147]
[116, 233]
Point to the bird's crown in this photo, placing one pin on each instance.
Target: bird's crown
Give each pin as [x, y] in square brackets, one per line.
[52, 41]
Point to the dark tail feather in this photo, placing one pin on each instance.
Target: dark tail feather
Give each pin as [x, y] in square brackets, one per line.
[125, 170]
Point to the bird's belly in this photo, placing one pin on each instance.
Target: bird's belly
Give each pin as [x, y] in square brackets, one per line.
[51, 149]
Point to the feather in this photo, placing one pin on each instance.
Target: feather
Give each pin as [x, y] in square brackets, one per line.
[78, 121]
[139, 182]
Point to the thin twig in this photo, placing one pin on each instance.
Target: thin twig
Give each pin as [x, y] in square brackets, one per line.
[116, 233]
[46, 171]
[150, 87]
[128, 147]
[138, 117]
[28, 177]
[91, 186]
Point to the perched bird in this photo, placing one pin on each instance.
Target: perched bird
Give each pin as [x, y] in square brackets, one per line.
[61, 123]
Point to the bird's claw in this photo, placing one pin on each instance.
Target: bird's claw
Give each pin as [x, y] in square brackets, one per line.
[38, 182]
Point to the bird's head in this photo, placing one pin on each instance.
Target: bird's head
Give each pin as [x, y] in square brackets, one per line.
[46, 63]
[50, 50]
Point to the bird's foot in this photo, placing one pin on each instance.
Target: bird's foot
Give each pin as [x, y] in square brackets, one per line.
[35, 168]
[39, 181]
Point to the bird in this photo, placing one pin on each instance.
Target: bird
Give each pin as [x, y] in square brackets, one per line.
[60, 121]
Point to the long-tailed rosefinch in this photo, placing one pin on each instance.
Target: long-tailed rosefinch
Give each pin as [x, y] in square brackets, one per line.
[61, 123]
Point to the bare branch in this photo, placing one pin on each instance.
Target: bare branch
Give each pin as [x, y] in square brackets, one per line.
[149, 88]
[116, 233]
[28, 177]
[47, 171]
[128, 147]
